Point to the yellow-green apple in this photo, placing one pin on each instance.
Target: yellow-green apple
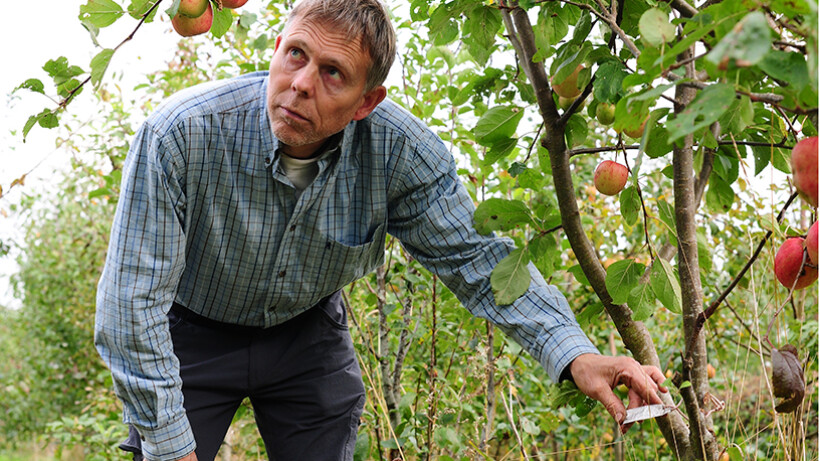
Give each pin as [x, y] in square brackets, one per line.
[788, 262]
[192, 8]
[610, 177]
[188, 27]
[636, 133]
[804, 169]
[605, 113]
[569, 87]
[233, 3]
[811, 243]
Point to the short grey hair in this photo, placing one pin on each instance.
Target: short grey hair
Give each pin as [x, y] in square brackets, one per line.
[366, 20]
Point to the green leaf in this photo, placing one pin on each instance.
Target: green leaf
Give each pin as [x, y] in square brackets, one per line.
[665, 284]
[741, 114]
[578, 272]
[510, 277]
[138, 8]
[99, 64]
[621, 278]
[705, 109]
[748, 42]
[576, 130]
[172, 10]
[46, 119]
[720, 195]
[222, 22]
[655, 27]
[500, 149]
[501, 214]
[32, 84]
[589, 314]
[100, 13]
[658, 144]
[609, 78]
[481, 26]
[789, 67]
[735, 453]
[59, 70]
[630, 205]
[582, 29]
[567, 59]
[641, 301]
[497, 123]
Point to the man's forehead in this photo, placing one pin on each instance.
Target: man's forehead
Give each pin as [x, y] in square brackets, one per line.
[331, 43]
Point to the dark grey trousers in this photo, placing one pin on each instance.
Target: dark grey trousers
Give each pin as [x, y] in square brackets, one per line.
[301, 377]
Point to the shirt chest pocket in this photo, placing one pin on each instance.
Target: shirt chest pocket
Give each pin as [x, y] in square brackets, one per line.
[341, 263]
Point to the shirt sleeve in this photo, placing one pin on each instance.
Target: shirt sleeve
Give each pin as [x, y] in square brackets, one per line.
[145, 260]
[431, 213]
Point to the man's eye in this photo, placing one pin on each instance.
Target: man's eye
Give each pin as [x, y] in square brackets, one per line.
[334, 74]
[295, 53]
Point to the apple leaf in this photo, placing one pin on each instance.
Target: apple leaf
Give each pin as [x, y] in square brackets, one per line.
[222, 21]
[630, 205]
[46, 119]
[99, 64]
[641, 301]
[32, 84]
[589, 314]
[790, 67]
[100, 13]
[655, 27]
[499, 150]
[172, 10]
[665, 284]
[481, 25]
[576, 130]
[609, 78]
[745, 45]
[138, 8]
[501, 214]
[497, 123]
[621, 278]
[787, 379]
[578, 272]
[740, 115]
[705, 109]
[510, 277]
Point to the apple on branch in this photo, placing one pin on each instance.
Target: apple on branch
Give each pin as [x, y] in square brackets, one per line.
[192, 8]
[233, 3]
[569, 87]
[605, 113]
[804, 169]
[789, 267]
[188, 27]
[610, 177]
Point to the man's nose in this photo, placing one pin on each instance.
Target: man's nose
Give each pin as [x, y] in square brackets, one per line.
[304, 81]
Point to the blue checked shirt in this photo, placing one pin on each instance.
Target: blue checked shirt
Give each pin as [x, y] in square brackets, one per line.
[207, 218]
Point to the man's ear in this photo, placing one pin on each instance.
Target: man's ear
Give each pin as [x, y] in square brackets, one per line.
[371, 99]
[276, 43]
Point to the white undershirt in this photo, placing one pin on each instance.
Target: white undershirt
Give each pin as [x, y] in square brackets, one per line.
[301, 172]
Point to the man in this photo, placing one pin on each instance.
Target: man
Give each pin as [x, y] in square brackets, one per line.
[246, 206]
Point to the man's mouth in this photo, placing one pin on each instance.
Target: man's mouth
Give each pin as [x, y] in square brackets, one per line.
[293, 114]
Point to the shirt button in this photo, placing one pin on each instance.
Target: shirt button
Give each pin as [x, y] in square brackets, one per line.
[282, 273]
[293, 227]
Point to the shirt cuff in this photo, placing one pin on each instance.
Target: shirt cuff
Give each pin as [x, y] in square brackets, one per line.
[168, 443]
[560, 350]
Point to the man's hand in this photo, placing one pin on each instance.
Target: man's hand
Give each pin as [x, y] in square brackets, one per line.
[596, 376]
[190, 457]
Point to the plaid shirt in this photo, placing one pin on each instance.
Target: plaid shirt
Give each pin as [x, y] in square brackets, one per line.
[207, 218]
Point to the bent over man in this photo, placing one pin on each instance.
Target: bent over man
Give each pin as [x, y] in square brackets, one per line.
[248, 203]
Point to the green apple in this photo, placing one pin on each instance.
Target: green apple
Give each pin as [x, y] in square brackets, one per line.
[569, 87]
[605, 113]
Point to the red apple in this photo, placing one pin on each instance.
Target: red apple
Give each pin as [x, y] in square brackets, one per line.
[610, 177]
[188, 27]
[233, 3]
[192, 8]
[605, 113]
[811, 243]
[804, 169]
[569, 87]
[787, 264]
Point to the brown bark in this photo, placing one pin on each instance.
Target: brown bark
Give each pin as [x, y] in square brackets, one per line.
[694, 368]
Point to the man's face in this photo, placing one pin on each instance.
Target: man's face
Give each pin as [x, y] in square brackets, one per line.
[316, 87]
